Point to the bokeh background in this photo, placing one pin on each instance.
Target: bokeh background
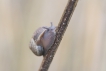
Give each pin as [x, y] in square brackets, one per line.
[83, 47]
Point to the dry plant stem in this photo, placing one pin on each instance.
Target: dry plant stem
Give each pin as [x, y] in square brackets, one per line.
[59, 33]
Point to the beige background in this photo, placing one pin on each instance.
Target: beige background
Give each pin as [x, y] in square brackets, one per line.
[83, 47]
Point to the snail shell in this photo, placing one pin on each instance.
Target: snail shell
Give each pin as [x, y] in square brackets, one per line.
[42, 40]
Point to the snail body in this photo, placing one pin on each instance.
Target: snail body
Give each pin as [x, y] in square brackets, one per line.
[42, 40]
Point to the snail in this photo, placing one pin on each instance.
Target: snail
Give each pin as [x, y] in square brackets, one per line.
[42, 40]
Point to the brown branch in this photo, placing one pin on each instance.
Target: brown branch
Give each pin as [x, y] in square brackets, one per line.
[59, 33]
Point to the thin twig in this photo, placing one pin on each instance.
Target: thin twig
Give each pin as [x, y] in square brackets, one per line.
[59, 33]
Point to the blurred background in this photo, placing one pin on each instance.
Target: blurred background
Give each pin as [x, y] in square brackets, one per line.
[83, 47]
